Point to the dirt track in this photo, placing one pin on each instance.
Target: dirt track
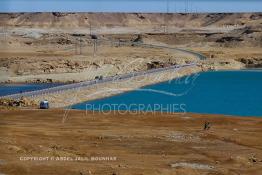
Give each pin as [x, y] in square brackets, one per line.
[141, 144]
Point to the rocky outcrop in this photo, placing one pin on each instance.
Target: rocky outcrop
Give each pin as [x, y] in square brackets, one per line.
[220, 64]
[59, 14]
[63, 41]
[157, 64]
[23, 102]
[228, 39]
[251, 62]
[138, 39]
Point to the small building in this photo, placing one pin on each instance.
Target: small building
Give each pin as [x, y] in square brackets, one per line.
[44, 104]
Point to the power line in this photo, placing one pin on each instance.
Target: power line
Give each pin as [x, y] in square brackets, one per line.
[166, 17]
[167, 6]
[175, 6]
[186, 6]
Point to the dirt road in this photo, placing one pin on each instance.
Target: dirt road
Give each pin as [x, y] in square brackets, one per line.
[152, 143]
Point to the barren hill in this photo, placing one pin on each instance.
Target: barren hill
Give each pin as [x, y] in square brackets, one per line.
[58, 46]
[68, 20]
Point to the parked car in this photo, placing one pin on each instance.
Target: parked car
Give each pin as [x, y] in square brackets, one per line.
[44, 104]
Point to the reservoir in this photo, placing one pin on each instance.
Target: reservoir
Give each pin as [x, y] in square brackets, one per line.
[7, 89]
[220, 92]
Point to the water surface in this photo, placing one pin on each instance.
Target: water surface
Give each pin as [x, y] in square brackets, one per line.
[7, 89]
[222, 92]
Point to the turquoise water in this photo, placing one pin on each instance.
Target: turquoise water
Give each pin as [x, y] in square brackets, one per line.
[7, 89]
[223, 92]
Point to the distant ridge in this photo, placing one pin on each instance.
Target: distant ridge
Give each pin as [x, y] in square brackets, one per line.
[71, 20]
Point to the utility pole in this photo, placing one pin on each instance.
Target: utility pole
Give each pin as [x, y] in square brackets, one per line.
[175, 6]
[166, 17]
[167, 13]
[191, 5]
[90, 28]
[94, 50]
[76, 47]
[80, 45]
[167, 6]
[4, 33]
[94, 47]
[186, 6]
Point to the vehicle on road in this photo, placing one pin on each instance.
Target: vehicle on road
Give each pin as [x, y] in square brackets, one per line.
[44, 104]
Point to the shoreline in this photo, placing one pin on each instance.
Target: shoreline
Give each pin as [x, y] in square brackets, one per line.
[138, 82]
[185, 72]
[60, 99]
[68, 82]
[199, 113]
[146, 81]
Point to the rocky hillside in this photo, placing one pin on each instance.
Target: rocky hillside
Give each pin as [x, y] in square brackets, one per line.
[57, 47]
[68, 20]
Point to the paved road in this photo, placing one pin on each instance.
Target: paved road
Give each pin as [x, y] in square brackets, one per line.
[61, 88]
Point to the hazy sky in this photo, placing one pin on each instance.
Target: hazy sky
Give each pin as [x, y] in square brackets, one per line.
[131, 5]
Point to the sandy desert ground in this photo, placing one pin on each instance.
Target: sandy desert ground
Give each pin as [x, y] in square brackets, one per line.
[153, 143]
